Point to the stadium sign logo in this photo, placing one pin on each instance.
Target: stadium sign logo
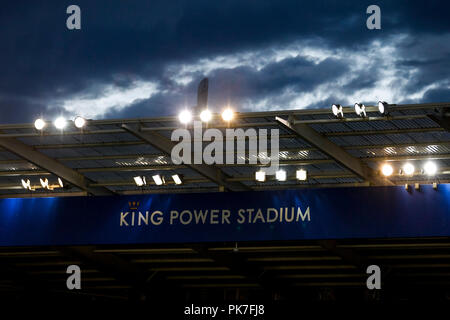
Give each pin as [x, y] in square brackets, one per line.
[135, 218]
[221, 149]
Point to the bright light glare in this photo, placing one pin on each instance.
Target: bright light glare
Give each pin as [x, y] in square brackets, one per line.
[408, 169]
[387, 170]
[26, 184]
[337, 110]
[79, 122]
[157, 179]
[176, 178]
[185, 116]
[301, 175]
[227, 114]
[382, 107]
[44, 183]
[61, 183]
[260, 176]
[280, 175]
[140, 181]
[60, 123]
[39, 124]
[360, 109]
[430, 168]
[205, 115]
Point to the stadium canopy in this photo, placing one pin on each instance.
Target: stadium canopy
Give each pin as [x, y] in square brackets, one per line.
[104, 156]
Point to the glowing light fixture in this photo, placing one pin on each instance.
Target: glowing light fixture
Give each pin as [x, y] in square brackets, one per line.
[39, 124]
[140, 181]
[176, 178]
[360, 110]
[185, 116]
[158, 180]
[60, 123]
[337, 110]
[205, 115]
[301, 175]
[44, 183]
[260, 176]
[26, 184]
[61, 183]
[79, 122]
[387, 170]
[408, 169]
[430, 168]
[383, 108]
[227, 114]
[280, 175]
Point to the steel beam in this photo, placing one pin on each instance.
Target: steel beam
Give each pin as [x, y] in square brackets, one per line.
[332, 150]
[165, 145]
[75, 178]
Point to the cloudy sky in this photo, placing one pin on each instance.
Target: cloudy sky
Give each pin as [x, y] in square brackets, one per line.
[145, 58]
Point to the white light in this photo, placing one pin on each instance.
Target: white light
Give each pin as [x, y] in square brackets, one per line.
[60, 123]
[61, 183]
[44, 183]
[360, 110]
[157, 179]
[140, 181]
[387, 170]
[39, 124]
[301, 175]
[79, 122]
[280, 175]
[383, 107]
[408, 169]
[260, 176]
[227, 114]
[176, 178]
[26, 184]
[430, 168]
[337, 110]
[185, 116]
[205, 115]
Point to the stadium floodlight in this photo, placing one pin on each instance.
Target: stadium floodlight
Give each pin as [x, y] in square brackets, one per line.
[140, 181]
[44, 183]
[60, 182]
[60, 123]
[39, 124]
[205, 115]
[260, 176]
[337, 110]
[158, 180]
[383, 108]
[227, 114]
[301, 175]
[26, 184]
[80, 122]
[387, 170]
[360, 110]
[185, 116]
[408, 169]
[280, 175]
[430, 168]
[176, 178]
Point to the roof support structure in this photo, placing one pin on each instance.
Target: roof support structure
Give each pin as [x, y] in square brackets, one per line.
[75, 178]
[332, 150]
[165, 145]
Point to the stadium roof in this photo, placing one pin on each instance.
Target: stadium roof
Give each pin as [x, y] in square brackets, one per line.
[104, 156]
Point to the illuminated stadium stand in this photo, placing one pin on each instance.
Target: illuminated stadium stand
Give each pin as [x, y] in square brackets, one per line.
[102, 159]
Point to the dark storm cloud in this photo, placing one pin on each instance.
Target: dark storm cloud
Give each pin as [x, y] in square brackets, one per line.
[121, 42]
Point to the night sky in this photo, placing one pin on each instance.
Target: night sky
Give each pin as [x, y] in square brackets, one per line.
[145, 58]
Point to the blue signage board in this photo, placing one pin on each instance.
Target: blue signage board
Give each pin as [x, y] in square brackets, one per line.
[364, 212]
